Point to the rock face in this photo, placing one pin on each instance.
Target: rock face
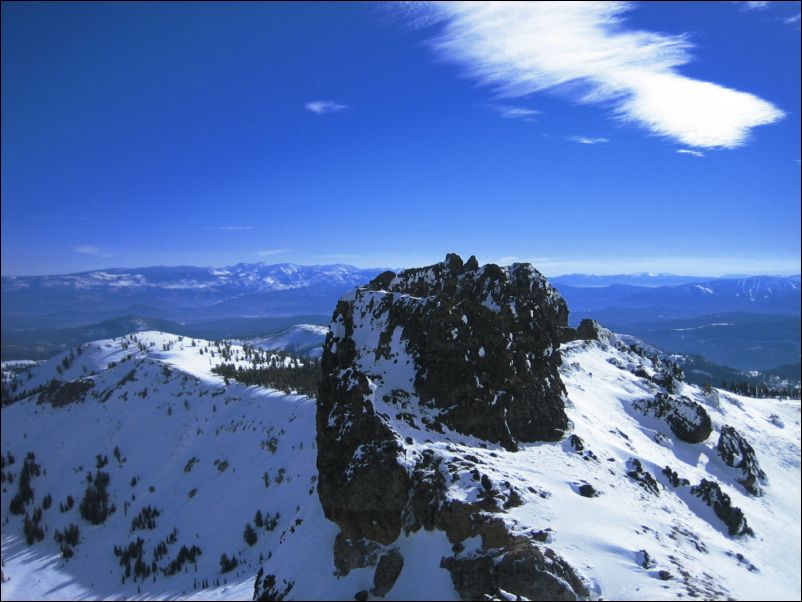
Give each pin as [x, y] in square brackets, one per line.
[738, 453]
[687, 419]
[450, 348]
[484, 342]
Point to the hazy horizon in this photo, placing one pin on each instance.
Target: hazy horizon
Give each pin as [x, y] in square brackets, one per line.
[503, 261]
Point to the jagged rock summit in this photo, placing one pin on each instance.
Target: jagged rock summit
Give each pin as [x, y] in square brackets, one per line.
[477, 347]
[449, 348]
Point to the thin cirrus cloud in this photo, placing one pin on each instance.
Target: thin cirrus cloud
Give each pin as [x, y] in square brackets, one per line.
[87, 249]
[271, 252]
[692, 153]
[585, 50]
[514, 112]
[324, 107]
[754, 5]
[586, 140]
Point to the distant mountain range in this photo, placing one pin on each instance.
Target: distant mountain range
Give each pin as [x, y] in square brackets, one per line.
[43, 314]
[189, 294]
[760, 294]
[185, 294]
[649, 279]
[747, 323]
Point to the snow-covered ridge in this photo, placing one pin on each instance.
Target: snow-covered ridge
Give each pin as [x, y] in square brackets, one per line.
[207, 450]
[301, 339]
[173, 437]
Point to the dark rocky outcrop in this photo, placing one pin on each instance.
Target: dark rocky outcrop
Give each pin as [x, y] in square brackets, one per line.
[644, 559]
[387, 571]
[644, 478]
[687, 419]
[474, 350]
[576, 443]
[521, 568]
[732, 516]
[736, 451]
[484, 342]
[674, 479]
[363, 492]
[588, 330]
[349, 555]
[267, 589]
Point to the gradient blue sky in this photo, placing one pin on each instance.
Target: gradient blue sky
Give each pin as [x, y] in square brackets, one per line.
[210, 134]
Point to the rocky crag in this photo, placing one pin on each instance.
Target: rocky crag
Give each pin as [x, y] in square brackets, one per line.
[434, 379]
[452, 347]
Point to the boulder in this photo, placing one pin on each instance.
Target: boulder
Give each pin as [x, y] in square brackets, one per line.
[522, 569]
[687, 419]
[387, 571]
[349, 555]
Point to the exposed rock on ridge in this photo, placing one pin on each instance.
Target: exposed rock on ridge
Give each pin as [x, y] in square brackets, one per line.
[450, 349]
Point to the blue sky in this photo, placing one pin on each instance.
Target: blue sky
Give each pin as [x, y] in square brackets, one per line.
[622, 138]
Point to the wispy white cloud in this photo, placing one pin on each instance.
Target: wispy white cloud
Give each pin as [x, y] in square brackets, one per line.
[585, 51]
[753, 5]
[271, 252]
[235, 228]
[793, 20]
[693, 153]
[91, 250]
[513, 112]
[324, 107]
[586, 140]
[87, 249]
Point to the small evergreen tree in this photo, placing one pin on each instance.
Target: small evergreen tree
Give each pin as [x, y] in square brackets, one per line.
[249, 534]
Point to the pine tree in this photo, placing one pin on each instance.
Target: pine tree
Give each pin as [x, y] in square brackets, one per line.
[249, 534]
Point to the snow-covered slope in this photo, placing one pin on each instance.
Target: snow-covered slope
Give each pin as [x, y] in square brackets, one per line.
[206, 455]
[301, 339]
[690, 551]
[199, 450]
